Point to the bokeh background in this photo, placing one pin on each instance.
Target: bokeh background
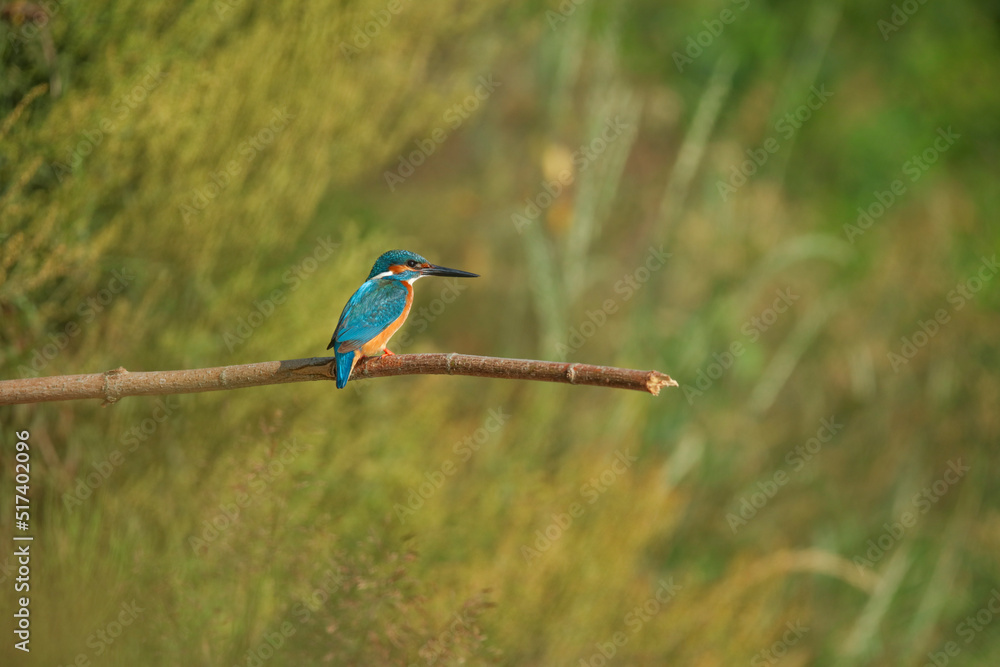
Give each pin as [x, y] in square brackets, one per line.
[652, 185]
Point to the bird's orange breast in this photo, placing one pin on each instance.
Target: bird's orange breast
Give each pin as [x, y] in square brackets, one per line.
[376, 345]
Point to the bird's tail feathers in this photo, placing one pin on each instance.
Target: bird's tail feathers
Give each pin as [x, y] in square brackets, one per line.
[345, 364]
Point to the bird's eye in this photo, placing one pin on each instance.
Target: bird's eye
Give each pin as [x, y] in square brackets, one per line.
[412, 263]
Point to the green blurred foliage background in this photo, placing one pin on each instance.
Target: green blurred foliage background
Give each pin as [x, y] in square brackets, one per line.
[210, 185]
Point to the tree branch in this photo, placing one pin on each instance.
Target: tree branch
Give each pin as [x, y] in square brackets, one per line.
[118, 383]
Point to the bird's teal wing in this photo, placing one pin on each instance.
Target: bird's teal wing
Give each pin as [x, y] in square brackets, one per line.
[376, 305]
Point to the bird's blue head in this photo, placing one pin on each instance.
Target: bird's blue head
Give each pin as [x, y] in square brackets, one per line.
[408, 266]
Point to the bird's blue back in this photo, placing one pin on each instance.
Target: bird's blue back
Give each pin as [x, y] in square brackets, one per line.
[376, 305]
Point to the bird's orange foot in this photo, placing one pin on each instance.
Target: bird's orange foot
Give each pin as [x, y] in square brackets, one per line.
[389, 352]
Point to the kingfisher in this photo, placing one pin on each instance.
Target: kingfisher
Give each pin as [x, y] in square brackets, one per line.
[379, 307]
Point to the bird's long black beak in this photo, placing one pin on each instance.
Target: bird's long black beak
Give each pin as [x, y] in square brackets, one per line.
[434, 270]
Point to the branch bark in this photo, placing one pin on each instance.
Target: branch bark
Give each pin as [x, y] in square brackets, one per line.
[118, 383]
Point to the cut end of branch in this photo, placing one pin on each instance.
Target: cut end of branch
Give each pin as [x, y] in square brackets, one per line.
[656, 381]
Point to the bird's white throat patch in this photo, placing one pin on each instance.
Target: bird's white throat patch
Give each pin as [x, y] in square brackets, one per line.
[387, 274]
